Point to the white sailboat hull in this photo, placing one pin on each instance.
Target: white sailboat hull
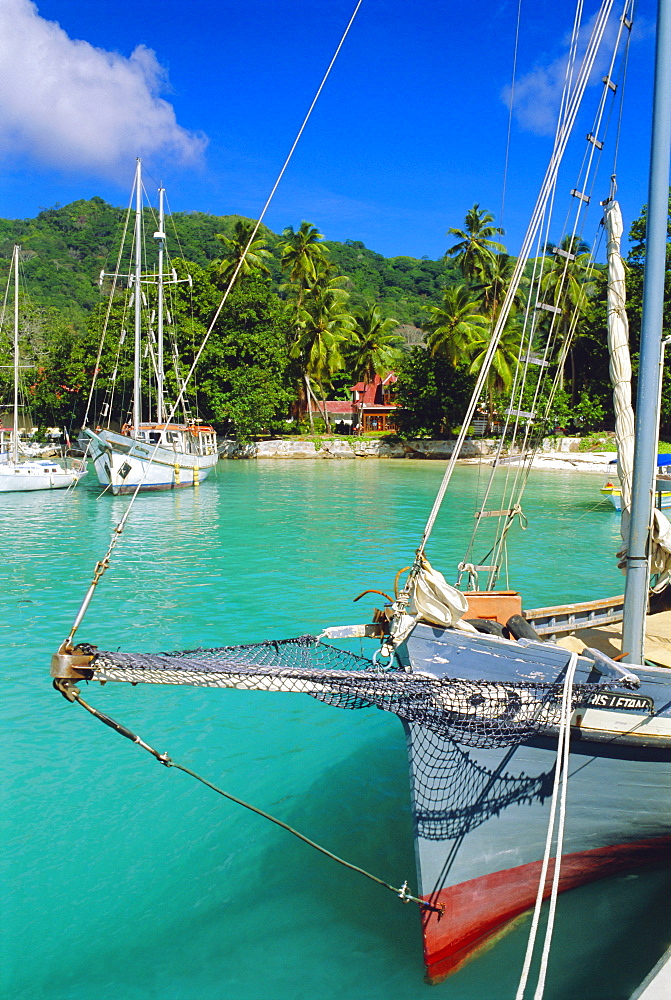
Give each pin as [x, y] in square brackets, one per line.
[122, 463]
[24, 477]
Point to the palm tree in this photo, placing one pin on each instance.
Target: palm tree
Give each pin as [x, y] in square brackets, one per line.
[567, 286]
[494, 282]
[476, 247]
[255, 253]
[303, 256]
[503, 365]
[373, 347]
[323, 324]
[456, 324]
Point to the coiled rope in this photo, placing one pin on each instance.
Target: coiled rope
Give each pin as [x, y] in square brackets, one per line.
[558, 822]
[71, 693]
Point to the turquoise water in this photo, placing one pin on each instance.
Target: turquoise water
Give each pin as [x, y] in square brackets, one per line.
[126, 881]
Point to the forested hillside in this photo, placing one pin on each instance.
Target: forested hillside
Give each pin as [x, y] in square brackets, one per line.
[65, 248]
[306, 320]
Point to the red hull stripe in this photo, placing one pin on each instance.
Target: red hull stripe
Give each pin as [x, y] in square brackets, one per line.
[477, 910]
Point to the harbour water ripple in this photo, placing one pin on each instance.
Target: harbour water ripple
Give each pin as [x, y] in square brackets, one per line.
[125, 881]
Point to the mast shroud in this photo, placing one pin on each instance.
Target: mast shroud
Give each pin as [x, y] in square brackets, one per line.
[647, 416]
[160, 237]
[137, 401]
[15, 449]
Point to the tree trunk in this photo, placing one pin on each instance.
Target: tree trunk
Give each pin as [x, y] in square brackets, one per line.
[323, 412]
[327, 419]
[309, 402]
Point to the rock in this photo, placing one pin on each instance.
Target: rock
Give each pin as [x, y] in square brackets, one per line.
[556, 453]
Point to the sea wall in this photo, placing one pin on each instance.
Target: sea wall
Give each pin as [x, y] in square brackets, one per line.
[353, 447]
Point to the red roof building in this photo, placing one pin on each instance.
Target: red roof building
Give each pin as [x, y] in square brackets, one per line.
[374, 404]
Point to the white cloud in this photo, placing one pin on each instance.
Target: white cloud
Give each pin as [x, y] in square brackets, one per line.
[72, 106]
[538, 92]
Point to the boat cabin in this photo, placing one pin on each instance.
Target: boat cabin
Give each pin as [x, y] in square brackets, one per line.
[194, 439]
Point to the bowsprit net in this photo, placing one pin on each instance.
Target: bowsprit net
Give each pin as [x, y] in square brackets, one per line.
[474, 713]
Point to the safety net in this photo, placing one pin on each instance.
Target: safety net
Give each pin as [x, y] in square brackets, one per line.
[475, 713]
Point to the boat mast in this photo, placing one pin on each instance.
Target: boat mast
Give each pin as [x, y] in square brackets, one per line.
[137, 401]
[15, 450]
[647, 415]
[160, 236]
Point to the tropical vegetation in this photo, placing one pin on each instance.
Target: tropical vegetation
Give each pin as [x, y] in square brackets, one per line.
[307, 318]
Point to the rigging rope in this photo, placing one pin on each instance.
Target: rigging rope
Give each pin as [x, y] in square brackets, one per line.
[536, 429]
[108, 313]
[510, 113]
[101, 566]
[557, 821]
[564, 130]
[71, 693]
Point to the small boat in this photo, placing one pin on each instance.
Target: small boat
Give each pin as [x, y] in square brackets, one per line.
[148, 455]
[21, 477]
[613, 491]
[16, 474]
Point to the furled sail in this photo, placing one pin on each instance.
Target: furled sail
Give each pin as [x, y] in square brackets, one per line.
[620, 373]
[620, 361]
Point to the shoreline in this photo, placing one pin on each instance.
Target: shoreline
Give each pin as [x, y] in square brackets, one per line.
[556, 453]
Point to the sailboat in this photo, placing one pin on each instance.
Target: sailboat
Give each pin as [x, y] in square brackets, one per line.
[19, 475]
[537, 761]
[160, 454]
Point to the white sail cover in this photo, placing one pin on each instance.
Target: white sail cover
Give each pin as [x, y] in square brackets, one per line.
[435, 600]
[618, 347]
[620, 373]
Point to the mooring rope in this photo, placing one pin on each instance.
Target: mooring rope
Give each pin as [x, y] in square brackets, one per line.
[557, 821]
[71, 693]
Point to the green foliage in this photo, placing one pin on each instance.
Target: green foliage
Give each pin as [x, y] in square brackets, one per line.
[456, 324]
[404, 287]
[63, 251]
[476, 250]
[563, 416]
[244, 385]
[303, 257]
[334, 309]
[373, 347]
[433, 393]
[588, 413]
[635, 269]
[241, 254]
[568, 284]
[66, 247]
[598, 442]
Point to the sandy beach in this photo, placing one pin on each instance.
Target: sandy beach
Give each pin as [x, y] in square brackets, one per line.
[588, 461]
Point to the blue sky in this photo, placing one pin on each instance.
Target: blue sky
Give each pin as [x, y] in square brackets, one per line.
[409, 133]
